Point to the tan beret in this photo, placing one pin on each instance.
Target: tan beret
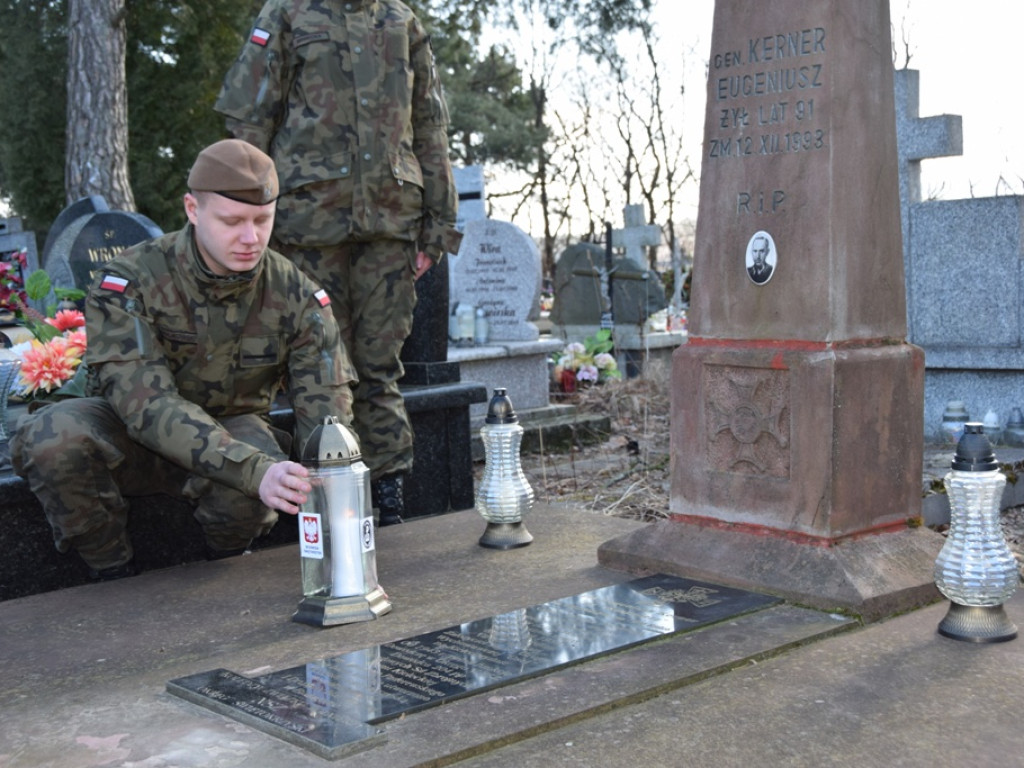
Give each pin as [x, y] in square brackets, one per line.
[237, 170]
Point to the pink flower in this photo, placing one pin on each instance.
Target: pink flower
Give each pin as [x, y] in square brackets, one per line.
[66, 319]
[45, 367]
[76, 341]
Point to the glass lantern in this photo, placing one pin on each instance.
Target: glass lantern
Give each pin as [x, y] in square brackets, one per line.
[504, 495]
[336, 534]
[976, 569]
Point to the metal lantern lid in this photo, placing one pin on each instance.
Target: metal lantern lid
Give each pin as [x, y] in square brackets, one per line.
[331, 444]
[499, 411]
[974, 452]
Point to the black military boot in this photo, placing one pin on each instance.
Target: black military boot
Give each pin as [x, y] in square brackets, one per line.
[221, 554]
[386, 493]
[114, 572]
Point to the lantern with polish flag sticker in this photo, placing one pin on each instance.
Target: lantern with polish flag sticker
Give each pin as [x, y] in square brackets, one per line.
[336, 534]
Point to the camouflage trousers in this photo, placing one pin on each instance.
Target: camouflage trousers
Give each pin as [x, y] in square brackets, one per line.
[80, 462]
[373, 293]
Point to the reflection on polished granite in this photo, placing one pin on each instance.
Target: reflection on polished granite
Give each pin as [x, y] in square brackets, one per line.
[335, 706]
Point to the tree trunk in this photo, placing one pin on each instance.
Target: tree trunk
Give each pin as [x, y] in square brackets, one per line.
[97, 116]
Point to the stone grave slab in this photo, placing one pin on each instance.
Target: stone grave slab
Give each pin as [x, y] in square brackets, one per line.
[335, 707]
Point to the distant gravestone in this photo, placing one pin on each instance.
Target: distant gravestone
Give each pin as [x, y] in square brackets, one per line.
[14, 239]
[78, 246]
[83, 206]
[498, 270]
[469, 182]
[581, 288]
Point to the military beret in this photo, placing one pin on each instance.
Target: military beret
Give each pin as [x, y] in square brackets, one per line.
[237, 170]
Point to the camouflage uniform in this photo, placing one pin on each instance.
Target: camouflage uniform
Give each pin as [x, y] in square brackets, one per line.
[183, 369]
[345, 97]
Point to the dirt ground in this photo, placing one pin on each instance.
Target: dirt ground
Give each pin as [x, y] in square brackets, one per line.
[625, 475]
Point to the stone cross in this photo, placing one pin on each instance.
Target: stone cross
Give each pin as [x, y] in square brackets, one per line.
[636, 235]
[919, 138]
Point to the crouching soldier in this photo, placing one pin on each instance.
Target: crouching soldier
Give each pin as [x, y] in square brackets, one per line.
[190, 338]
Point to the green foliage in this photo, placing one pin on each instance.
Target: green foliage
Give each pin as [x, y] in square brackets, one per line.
[33, 60]
[177, 54]
[600, 342]
[38, 285]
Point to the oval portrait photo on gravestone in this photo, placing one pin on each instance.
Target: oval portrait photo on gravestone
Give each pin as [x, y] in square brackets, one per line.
[761, 257]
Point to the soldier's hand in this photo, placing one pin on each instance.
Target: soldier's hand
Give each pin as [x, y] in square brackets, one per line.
[284, 487]
[423, 263]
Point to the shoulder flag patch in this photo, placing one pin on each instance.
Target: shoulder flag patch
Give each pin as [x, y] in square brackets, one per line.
[113, 283]
[322, 298]
[259, 36]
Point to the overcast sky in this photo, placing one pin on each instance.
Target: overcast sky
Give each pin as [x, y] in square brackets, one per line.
[969, 57]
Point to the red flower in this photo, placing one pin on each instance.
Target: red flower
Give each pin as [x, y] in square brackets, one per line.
[66, 319]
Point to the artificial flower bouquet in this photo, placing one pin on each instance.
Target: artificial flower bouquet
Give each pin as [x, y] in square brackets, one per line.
[586, 363]
[50, 360]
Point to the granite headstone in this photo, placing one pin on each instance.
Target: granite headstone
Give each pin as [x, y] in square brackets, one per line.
[79, 246]
[637, 293]
[962, 259]
[498, 270]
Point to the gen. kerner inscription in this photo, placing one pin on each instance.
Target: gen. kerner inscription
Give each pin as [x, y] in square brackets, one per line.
[746, 86]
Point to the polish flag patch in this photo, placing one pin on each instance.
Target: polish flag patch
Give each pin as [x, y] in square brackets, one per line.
[259, 36]
[113, 283]
[322, 298]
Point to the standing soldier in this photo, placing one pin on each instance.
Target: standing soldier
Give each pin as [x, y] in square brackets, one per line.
[190, 337]
[344, 95]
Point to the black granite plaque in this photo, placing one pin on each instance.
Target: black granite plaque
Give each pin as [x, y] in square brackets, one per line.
[335, 706]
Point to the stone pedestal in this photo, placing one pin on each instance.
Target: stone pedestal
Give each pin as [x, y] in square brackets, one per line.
[784, 476]
[797, 403]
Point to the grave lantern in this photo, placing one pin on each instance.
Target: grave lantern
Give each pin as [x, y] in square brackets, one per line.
[975, 568]
[505, 494]
[336, 535]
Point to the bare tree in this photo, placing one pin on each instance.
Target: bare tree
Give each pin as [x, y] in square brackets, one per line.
[97, 106]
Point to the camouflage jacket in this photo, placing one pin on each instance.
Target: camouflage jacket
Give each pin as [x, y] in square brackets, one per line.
[173, 348]
[345, 97]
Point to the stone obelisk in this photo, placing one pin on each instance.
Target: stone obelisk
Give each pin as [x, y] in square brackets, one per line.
[797, 430]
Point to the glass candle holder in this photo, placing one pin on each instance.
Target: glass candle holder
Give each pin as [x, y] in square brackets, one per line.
[504, 495]
[976, 569]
